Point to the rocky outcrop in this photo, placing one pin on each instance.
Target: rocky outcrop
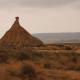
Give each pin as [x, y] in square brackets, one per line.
[17, 36]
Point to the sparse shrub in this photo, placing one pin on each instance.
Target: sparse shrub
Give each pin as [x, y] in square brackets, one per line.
[23, 56]
[47, 65]
[28, 71]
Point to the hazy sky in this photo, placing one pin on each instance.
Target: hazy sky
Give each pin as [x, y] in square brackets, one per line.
[39, 16]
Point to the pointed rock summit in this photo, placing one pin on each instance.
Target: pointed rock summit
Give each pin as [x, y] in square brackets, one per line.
[17, 36]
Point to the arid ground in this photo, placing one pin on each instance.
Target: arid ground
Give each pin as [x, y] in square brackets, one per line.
[24, 57]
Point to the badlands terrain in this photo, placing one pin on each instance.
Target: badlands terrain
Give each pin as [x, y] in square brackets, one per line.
[25, 57]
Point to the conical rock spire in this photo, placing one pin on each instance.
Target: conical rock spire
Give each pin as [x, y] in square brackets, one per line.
[17, 36]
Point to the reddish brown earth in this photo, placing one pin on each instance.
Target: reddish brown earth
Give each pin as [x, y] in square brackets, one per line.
[19, 37]
[24, 57]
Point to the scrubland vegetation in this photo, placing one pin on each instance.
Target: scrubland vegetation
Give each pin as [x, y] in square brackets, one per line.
[40, 63]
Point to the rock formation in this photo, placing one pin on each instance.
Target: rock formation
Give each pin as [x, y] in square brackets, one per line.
[19, 37]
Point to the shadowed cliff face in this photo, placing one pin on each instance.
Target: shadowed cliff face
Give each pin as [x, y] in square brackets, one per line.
[19, 37]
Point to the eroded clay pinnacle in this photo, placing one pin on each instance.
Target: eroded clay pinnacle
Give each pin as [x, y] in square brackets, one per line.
[17, 18]
[16, 21]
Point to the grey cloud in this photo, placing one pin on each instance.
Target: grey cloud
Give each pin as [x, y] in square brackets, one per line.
[46, 3]
[37, 3]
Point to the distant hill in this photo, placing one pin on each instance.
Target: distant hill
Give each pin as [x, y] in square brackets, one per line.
[59, 37]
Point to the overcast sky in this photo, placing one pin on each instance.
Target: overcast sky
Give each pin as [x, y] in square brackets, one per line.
[41, 16]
